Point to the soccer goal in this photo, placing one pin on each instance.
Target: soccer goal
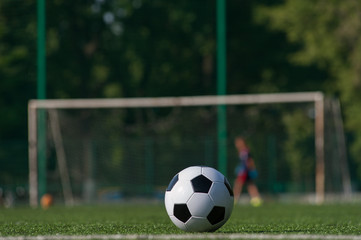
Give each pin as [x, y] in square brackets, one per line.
[104, 150]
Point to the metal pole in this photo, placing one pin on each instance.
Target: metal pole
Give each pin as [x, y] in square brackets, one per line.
[61, 158]
[341, 142]
[41, 51]
[41, 94]
[320, 156]
[33, 159]
[221, 86]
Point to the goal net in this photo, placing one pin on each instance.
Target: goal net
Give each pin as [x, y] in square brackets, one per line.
[109, 150]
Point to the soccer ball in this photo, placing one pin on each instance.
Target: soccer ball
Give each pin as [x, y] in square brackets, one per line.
[199, 199]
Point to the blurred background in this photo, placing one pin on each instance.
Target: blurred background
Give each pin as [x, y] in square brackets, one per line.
[157, 48]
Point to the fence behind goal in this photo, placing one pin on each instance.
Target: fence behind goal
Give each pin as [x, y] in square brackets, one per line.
[109, 153]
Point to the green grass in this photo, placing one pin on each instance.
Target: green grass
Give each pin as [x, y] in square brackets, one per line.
[152, 219]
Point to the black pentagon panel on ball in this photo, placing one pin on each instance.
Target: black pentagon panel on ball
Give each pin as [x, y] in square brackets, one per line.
[216, 215]
[181, 212]
[228, 187]
[201, 184]
[172, 183]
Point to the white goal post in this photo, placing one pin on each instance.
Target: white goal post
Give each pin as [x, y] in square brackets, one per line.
[245, 99]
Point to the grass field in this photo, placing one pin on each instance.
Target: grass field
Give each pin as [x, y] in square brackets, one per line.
[152, 219]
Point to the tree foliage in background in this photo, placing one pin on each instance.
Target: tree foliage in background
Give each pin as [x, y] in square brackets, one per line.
[328, 36]
[17, 66]
[141, 48]
[130, 48]
[151, 48]
[17, 86]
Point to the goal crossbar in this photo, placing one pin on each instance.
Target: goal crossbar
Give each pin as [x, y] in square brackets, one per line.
[178, 101]
[244, 99]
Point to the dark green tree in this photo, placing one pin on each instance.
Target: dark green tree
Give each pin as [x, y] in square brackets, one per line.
[328, 36]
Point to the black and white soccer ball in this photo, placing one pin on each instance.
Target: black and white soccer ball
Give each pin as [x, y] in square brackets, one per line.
[199, 199]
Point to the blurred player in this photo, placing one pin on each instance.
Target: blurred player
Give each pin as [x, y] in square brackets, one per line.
[246, 173]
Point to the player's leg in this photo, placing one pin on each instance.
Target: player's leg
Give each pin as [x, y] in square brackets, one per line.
[252, 190]
[254, 194]
[237, 189]
[238, 185]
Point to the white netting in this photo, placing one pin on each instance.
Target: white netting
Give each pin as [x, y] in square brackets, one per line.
[111, 154]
